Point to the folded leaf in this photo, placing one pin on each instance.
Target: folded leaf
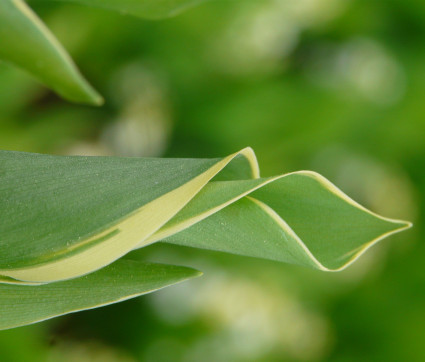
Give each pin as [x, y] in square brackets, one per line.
[151, 9]
[125, 279]
[67, 216]
[27, 43]
[65, 219]
[298, 218]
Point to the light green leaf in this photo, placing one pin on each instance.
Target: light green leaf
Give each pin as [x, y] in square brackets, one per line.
[63, 217]
[125, 279]
[298, 218]
[150, 9]
[27, 43]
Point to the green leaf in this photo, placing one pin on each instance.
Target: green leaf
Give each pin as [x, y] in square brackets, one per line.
[64, 217]
[125, 279]
[27, 43]
[150, 9]
[298, 218]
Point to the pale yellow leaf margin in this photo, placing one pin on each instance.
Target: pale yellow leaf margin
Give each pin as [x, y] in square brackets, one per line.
[166, 232]
[133, 230]
[145, 226]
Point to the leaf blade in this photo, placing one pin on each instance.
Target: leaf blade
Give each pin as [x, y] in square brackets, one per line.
[159, 207]
[309, 222]
[134, 225]
[29, 44]
[125, 279]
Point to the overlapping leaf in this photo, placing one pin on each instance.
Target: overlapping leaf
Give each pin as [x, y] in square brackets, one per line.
[125, 279]
[64, 217]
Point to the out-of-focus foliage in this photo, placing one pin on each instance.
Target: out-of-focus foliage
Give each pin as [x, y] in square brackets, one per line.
[29, 44]
[333, 86]
[150, 9]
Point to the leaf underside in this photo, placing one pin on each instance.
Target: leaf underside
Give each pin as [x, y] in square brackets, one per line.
[65, 219]
[125, 279]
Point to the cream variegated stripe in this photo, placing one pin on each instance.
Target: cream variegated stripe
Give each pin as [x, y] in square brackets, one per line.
[193, 216]
[354, 256]
[203, 198]
[134, 231]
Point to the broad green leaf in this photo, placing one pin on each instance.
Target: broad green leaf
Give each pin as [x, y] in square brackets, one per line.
[298, 218]
[64, 220]
[66, 216]
[150, 9]
[63, 217]
[125, 279]
[27, 43]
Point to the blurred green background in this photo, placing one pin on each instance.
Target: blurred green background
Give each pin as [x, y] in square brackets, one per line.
[335, 86]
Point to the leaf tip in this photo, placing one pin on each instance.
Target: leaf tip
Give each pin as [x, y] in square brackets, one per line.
[92, 97]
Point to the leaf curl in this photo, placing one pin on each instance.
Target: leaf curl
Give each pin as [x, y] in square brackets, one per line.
[65, 217]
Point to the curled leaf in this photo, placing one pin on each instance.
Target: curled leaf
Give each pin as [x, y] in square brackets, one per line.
[64, 217]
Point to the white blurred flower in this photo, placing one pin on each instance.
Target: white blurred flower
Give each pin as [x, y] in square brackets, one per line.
[89, 351]
[144, 124]
[360, 66]
[247, 320]
[261, 35]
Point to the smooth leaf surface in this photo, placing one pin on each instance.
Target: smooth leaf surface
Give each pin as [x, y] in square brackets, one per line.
[125, 279]
[150, 9]
[27, 43]
[65, 220]
[63, 217]
[298, 218]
